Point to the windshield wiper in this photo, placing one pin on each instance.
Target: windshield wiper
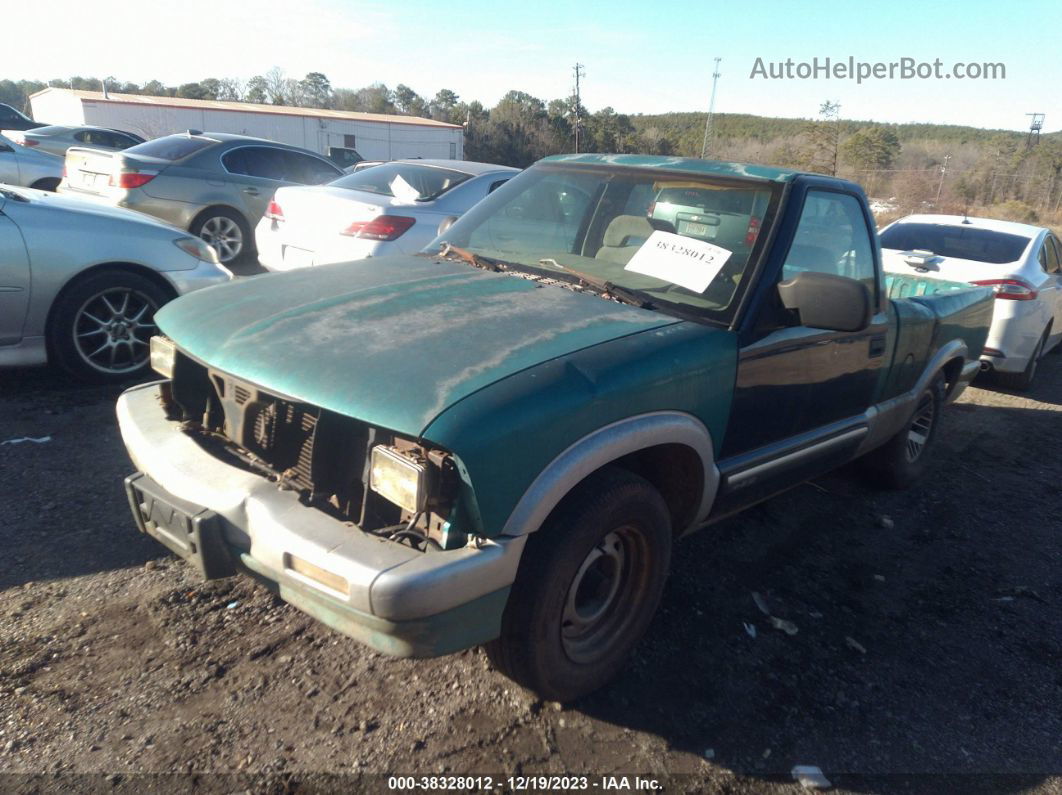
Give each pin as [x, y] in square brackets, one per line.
[476, 261]
[603, 286]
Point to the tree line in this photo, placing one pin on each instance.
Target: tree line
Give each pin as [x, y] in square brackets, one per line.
[915, 166]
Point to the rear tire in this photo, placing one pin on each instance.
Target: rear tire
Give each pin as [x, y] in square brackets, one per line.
[903, 459]
[100, 326]
[1023, 381]
[226, 231]
[588, 585]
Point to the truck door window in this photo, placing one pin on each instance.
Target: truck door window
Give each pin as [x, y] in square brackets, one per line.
[832, 237]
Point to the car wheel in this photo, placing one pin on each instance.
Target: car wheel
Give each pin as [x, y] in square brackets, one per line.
[902, 460]
[101, 325]
[1023, 381]
[225, 230]
[588, 585]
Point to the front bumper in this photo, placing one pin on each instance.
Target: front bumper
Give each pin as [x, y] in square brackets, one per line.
[204, 274]
[389, 596]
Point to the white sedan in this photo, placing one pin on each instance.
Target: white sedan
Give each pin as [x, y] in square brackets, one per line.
[392, 208]
[1022, 263]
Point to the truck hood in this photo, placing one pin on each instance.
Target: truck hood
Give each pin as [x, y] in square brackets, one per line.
[393, 341]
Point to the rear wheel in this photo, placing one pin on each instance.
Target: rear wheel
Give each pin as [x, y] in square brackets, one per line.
[903, 459]
[587, 588]
[1023, 381]
[225, 231]
[101, 325]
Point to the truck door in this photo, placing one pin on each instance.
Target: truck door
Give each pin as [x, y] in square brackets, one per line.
[801, 392]
[14, 280]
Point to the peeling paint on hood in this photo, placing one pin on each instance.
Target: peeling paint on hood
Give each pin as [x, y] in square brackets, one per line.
[393, 341]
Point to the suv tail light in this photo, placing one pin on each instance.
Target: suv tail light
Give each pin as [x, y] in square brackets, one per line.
[274, 212]
[1011, 289]
[752, 232]
[130, 179]
[382, 227]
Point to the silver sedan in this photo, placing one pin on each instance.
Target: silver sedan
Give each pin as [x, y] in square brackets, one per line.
[80, 283]
[20, 165]
[55, 139]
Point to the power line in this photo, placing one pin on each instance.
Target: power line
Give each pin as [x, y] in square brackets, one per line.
[580, 71]
[711, 110]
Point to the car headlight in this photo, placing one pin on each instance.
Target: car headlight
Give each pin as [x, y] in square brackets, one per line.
[399, 478]
[198, 248]
[162, 355]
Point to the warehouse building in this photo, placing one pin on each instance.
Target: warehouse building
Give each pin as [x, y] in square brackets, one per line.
[338, 134]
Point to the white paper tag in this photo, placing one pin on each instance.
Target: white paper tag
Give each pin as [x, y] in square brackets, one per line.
[684, 261]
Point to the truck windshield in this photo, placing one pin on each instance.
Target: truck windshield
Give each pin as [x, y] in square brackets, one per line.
[679, 241]
[956, 242]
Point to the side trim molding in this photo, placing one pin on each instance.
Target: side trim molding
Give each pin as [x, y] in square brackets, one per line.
[608, 444]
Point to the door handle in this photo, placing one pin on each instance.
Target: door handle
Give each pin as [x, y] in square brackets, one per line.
[877, 346]
[251, 191]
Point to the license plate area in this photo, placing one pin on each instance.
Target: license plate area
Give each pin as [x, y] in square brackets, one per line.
[190, 531]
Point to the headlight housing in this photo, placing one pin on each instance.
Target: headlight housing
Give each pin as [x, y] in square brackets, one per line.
[399, 478]
[198, 248]
[162, 353]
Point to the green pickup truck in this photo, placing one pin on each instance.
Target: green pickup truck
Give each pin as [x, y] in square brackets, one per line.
[498, 440]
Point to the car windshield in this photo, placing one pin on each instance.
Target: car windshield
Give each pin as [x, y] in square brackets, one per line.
[172, 147]
[677, 241]
[409, 181]
[956, 242]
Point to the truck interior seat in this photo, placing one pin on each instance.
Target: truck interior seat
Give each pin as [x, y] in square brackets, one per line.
[624, 235]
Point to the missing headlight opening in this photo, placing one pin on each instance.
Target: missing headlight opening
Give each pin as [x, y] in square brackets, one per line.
[383, 483]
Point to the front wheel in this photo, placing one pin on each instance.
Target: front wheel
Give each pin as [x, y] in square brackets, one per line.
[101, 325]
[587, 587]
[902, 460]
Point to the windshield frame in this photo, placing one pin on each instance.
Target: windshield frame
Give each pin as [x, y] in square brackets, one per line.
[728, 316]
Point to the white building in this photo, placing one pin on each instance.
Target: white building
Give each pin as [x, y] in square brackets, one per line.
[375, 136]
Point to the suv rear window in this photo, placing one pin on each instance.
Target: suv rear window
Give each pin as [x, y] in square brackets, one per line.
[388, 179]
[172, 147]
[956, 242]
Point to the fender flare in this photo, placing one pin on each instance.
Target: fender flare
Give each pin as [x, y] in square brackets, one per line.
[608, 444]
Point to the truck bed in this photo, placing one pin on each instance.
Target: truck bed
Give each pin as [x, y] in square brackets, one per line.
[928, 313]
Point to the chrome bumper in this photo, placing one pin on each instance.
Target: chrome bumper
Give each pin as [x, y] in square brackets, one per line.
[386, 594]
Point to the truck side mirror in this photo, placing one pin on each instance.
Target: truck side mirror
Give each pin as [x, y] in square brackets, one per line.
[826, 301]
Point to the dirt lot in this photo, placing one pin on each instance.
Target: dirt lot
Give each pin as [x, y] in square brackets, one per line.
[928, 656]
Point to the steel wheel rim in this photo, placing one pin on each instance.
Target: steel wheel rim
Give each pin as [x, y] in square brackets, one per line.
[112, 328]
[603, 595]
[920, 428]
[224, 235]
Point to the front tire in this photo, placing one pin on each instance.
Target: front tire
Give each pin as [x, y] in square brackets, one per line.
[588, 585]
[903, 459]
[101, 325]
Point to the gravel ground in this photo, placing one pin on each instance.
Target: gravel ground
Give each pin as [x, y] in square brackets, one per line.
[928, 655]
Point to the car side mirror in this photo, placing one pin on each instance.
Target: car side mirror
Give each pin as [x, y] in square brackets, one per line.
[446, 223]
[826, 301]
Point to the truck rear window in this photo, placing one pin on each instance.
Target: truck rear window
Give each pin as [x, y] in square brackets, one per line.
[172, 147]
[403, 179]
[956, 242]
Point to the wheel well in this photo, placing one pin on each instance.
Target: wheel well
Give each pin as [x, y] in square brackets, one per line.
[952, 370]
[129, 267]
[51, 182]
[675, 470]
[216, 207]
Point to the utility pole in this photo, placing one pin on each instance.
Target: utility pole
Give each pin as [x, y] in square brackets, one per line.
[1036, 123]
[711, 110]
[579, 72]
[943, 170]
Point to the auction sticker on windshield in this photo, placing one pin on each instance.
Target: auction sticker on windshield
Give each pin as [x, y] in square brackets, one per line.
[680, 260]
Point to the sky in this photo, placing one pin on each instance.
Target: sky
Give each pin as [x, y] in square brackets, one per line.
[639, 57]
